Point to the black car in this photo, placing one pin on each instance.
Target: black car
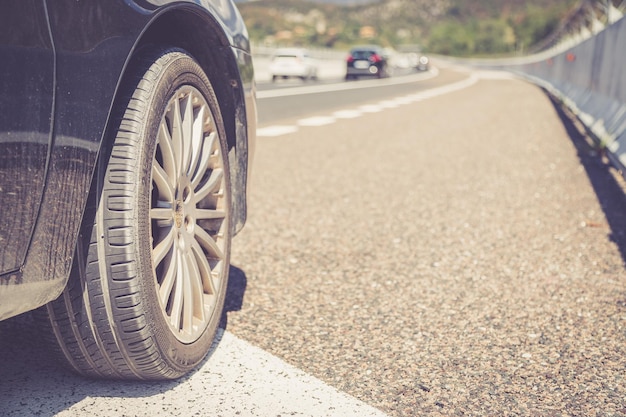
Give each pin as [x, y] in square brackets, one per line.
[126, 130]
[370, 61]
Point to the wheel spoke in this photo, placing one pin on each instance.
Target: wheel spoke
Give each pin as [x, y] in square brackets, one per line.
[208, 214]
[161, 214]
[178, 295]
[188, 296]
[195, 291]
[214, 183]
[167, 152]
[187, 132]
[205, 270]
[177, 136]
[165, 290]
[164, 247]
[207, 242]
[196, 140]
[205, 159]
[162, 181]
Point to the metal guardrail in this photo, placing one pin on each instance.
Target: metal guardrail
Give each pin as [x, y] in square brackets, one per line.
[590, 79]
[584, 21]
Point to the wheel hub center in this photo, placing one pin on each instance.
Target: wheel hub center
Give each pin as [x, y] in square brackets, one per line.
[179, 214]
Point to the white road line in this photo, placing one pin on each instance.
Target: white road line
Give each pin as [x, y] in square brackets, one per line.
[371, 108]
[389, 104]
[237, 380]
[347, 114]
[404, 100]
[276, 130]
[279, 130]
[416, 97]
[325, 88]
[317, 121]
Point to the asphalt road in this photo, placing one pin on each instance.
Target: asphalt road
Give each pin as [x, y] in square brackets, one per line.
[297, 99]
[461, 255]
[426, 251]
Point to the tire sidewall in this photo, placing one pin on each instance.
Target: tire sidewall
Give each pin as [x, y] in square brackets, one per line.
[182, 70]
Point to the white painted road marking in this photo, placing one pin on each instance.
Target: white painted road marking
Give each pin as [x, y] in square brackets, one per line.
[279, 130]
[316, 121]
[237, 380]
[326, 88]
[276, 130]
[371, 108]
[347, 114]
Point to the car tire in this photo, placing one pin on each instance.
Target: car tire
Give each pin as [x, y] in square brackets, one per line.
[148, 282]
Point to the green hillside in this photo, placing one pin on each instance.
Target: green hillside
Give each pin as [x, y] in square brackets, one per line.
[455, 27]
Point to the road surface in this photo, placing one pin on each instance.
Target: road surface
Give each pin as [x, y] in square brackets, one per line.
[443, 247]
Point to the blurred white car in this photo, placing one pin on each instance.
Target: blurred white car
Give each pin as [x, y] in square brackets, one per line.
[293, 62]
[418, 62]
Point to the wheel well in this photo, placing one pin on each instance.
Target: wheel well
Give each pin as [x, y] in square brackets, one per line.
[204, 40]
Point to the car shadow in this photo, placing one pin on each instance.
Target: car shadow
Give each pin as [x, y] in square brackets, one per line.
[237, 283]
[607, 187]
[32, 382]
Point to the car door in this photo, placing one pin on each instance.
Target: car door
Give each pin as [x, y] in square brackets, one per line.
[26, 107]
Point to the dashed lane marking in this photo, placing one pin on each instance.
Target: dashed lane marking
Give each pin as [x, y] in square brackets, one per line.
[317, 121]
[279, 130]
[276, 130]
[371, 108]
[325, 88]
[347, 114]
[389, 104]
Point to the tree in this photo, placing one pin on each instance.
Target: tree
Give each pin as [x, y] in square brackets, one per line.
[450, 38]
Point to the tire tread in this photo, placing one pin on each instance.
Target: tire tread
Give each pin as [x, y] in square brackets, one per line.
[109, 336]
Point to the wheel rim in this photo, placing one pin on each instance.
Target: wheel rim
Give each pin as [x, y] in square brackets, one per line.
[188, 215]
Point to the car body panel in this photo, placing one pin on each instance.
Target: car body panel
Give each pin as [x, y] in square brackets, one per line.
[83, 55]
[27, 71]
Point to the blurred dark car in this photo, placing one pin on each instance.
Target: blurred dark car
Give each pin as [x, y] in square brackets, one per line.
[367, 61]
[126, 130]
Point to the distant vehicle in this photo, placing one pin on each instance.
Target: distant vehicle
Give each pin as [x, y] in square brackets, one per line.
[418, 62]
[367, 61]
[293, 63]
[423, 63]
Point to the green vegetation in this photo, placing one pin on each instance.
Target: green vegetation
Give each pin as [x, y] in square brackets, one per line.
[452, 27]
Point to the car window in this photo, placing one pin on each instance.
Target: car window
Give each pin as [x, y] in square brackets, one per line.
[362, 54]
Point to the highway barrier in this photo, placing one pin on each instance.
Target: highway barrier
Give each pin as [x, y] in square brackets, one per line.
[590, 79]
